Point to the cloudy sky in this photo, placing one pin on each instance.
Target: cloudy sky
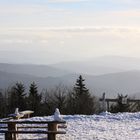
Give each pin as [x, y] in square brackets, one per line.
[49, 31]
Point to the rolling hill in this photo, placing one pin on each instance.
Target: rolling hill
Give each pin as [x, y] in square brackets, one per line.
[34, 70]
[101, 65]
[110, 74]
[112, 84]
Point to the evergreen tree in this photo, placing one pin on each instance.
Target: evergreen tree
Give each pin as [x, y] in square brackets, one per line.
[80, 99]
[80, 86]
[2, 105]
[17, 97]
[34, 99]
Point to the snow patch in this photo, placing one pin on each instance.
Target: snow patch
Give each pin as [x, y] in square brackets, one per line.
[106, 126]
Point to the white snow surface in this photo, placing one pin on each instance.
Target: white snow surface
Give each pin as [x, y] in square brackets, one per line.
[106, 126]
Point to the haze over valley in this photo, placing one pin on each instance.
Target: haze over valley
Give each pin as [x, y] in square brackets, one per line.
[110, 74]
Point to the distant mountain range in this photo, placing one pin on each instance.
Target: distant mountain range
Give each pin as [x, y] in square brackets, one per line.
[109, 77]
[34, 70]
[101, 65]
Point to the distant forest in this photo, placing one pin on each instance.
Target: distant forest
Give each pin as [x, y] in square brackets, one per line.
[77, 100]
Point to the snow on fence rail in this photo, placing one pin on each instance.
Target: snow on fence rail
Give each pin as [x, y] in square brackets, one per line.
[12, 128]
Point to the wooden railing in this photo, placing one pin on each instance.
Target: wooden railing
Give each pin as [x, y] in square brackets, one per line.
[50, 128]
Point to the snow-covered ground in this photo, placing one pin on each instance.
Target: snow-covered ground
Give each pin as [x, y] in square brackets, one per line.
[106, 126]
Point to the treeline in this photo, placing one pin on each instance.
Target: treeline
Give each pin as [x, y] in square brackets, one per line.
[77, 100]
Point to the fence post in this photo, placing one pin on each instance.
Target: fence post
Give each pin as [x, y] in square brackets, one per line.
[52, 126]
[11, 127]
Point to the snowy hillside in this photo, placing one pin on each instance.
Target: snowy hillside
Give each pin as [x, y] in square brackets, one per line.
[106, 126]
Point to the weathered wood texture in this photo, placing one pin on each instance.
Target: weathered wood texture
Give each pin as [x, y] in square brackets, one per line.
[13, 128]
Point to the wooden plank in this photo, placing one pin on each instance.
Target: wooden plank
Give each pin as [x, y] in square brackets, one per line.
[3, 131]
[34, 132]
[11, 127]
[110, 100]
[133, 100]
[52, 127]
[108, 107]
[115, 100]
[43, 127]
[33, 122]
[3, 127]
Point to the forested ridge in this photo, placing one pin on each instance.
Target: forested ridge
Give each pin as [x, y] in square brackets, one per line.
[75, 100]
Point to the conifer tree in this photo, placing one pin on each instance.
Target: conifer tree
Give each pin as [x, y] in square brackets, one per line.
[80, 86]
[81, 100]
[34, 99]
[2, 105]
[17, 97]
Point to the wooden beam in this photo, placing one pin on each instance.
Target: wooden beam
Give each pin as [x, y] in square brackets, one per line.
[33, 122]
[115, 100]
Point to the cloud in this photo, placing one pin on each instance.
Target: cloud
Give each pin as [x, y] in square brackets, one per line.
[131, 2]
[70, 29]
[53, 15]
[41, 34]
[29, 10]
[22, 10]
[91, 40]
[127, 13]
[89, 29]
[66, 1]
[121, 1]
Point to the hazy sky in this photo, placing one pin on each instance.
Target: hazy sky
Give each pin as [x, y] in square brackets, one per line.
[48, 31]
